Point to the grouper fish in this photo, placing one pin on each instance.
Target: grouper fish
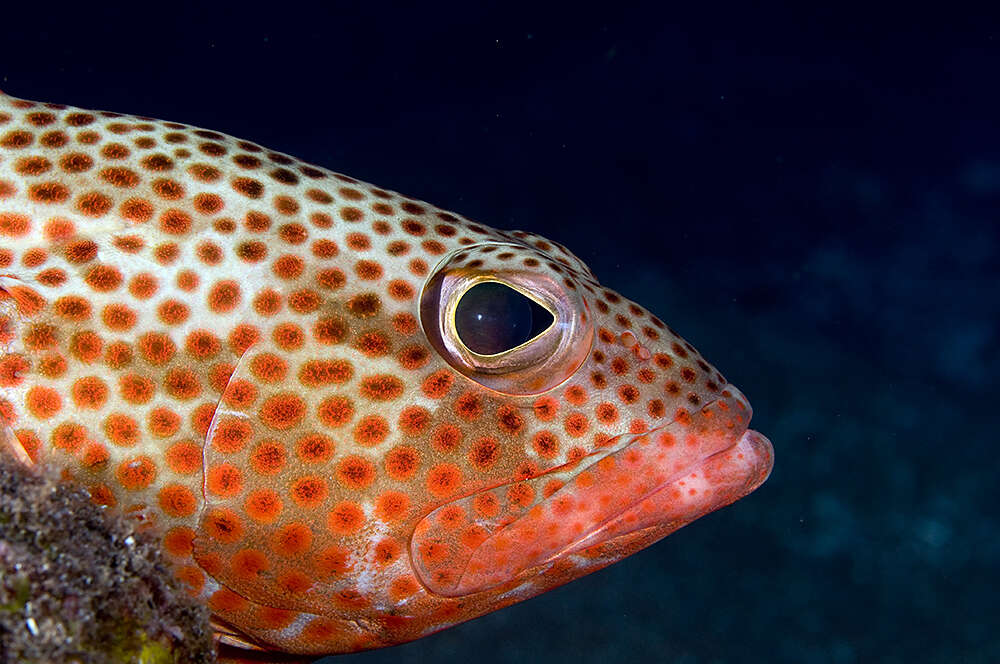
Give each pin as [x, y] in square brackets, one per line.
[351, 418]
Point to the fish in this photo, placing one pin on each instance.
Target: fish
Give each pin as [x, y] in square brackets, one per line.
[351, 418]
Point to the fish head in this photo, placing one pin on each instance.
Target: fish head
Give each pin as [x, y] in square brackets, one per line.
[353, 417]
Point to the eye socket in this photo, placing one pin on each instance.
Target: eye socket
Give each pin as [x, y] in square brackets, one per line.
[515, 329]
[493, 318]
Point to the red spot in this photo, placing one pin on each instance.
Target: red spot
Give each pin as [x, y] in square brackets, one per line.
[402, 462]
[371, 430]
[335, 411]
[392, 506]
[177, 500]
[163, 422]
[443, 479]
[282, 411]
[224, 480]
[268, 458]
[224, 296]
[184, 457]
[224, 525]
[346, 518]
[309, 492]
[263, 505]
[484, 453]
[136, 473]
[314, 448]
[122, 430]
[355, 472]
[292, 540]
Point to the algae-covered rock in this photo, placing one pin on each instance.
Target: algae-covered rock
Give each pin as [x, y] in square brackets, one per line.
[79, 584]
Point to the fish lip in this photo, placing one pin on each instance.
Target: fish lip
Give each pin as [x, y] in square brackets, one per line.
[758, 441]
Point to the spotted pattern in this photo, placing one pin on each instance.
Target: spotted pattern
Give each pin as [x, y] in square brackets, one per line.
[229, 344]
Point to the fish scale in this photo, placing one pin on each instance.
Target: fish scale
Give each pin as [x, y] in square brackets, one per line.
[258, 359]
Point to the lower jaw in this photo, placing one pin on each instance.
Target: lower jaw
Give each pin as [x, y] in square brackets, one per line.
[714, 482]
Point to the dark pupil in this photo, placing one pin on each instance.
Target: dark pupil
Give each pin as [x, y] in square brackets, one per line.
[492, 318]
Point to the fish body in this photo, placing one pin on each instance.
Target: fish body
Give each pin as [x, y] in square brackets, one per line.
[353, 418]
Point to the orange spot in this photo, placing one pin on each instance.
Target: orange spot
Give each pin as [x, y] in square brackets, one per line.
[289, 336]
[172, 312]
[224, 480]
[69, 436]
[156, 348]
[118, 317]
[192, 577]
[12, 370]
[225, 599]
[335, 411]
[322, 630]
[382, 387]
[355, 472]
[446, 438]
[576, 424]
[292, 540]
[240, 394]
[282, 411]
[248, 563]
[184, 457]
[315, 373]
[136, 389]
[179, 541]
[330, 330]
[309, 492]
[546, 444]
[270, 617]
[224, 525]
[182, 384]
[484, 453]
[43, 402]
[136, 473]
[268, 458]
[41, 336]
[14, 225]
[443, 479]
[402, 462]
[231, 435]
[163, 422]
[371, 430]
[332, 561]
[263, 505]
[346, 518]
[224, 296]
[121, 430]
[403, 587]
[314, 448]
[86, 346]
[392, 506]
[268, 368]
[546, 408]
[469, 406]
[177, 500]
[486, 505]
[520, 494]
[243, 337]
[387, 551]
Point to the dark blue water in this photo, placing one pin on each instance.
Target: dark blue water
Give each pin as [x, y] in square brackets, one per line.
[811, 197]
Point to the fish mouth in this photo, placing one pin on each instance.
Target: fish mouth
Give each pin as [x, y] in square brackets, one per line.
[654, 482]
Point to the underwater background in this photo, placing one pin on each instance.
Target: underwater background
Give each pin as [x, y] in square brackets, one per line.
[809, 196]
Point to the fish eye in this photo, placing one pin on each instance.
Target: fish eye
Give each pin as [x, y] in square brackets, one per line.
[493, 318]
[518, 330]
